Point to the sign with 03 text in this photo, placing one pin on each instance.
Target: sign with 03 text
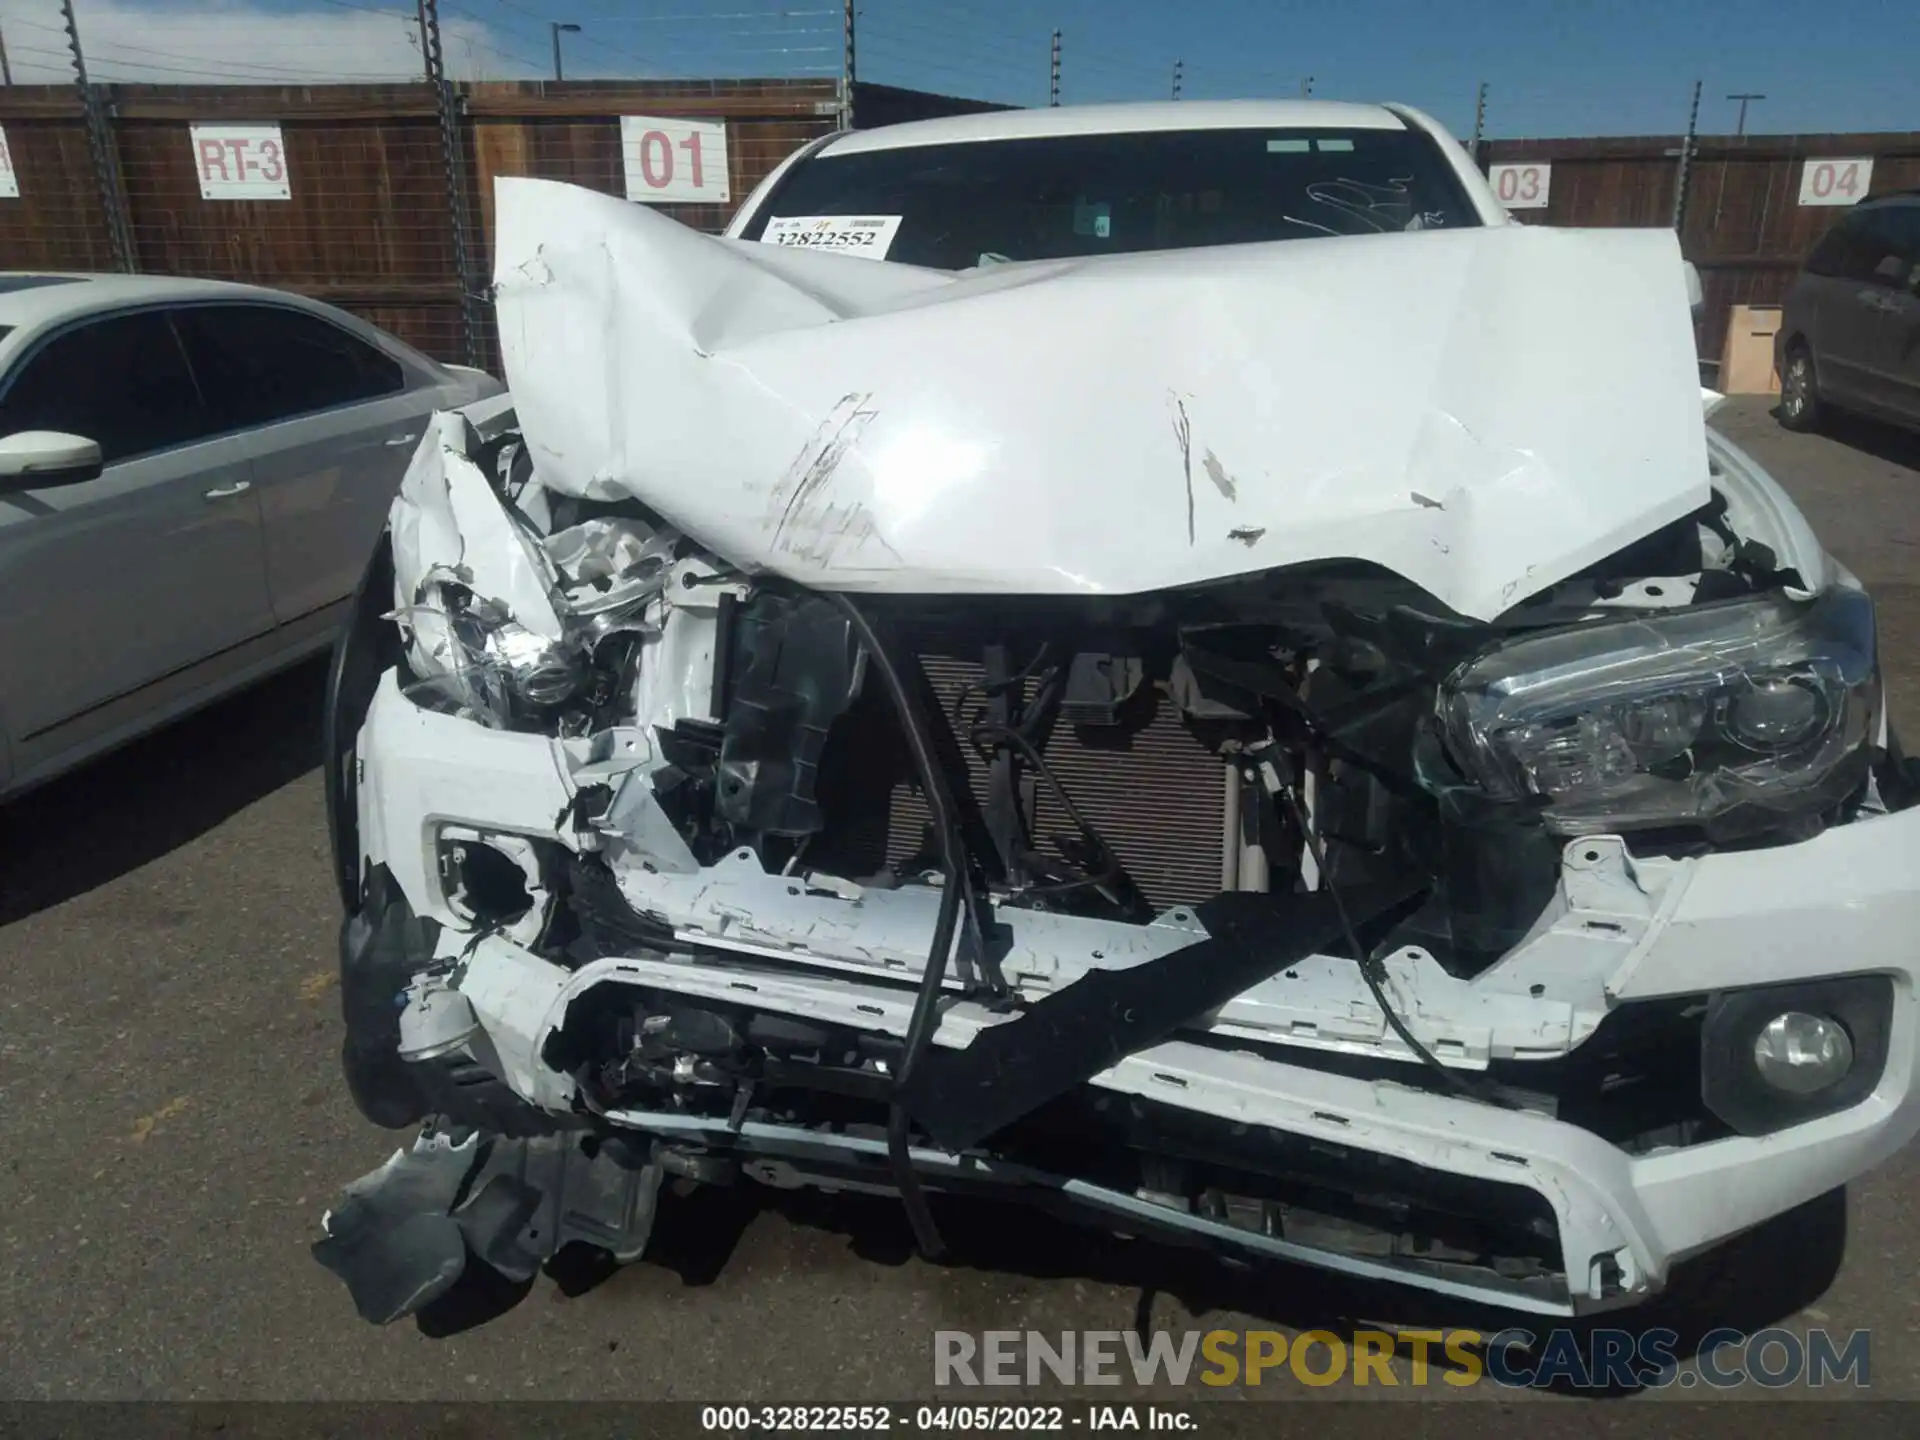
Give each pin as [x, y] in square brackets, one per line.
[9, 182]
[675, 162]
[1521, 187]
[240, 162]
[1835, 182]
[868, 235]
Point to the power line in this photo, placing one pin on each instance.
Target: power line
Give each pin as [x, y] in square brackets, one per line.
[718, 46]
[225, 71]
[406, 15]
[727, 15]
[590, 37]
[252, 65]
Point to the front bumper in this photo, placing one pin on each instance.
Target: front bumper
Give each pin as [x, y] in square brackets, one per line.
[1623, 930]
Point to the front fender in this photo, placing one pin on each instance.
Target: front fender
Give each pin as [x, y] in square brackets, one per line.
[367, 647]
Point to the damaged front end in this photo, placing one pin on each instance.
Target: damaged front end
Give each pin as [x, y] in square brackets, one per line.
[1510, 939]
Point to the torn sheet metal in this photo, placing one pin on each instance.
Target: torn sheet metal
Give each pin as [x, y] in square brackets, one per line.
[1114, 425]
[446, 520]
[405, 1233]
[497, 614]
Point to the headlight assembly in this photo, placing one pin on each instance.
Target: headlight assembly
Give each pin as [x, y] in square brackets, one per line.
[1726, 716]
[471, 652]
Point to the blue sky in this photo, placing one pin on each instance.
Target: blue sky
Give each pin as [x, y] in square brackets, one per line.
[1555, 67]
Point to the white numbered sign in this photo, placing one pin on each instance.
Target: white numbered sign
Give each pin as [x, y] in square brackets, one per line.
[9, 182]
[1521, 187]
[675, 161]
[240, 162]
[1835, 182]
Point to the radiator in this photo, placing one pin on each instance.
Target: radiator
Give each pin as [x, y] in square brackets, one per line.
[1152, 791]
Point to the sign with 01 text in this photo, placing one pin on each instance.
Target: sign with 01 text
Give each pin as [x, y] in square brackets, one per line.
[9, 181]
[240, 162]
[1521, 187]
[675, 162]
[1835, 182]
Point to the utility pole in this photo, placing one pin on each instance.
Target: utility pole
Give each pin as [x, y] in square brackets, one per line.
[1053, 86]
[470, 319]
[100, 150]
[560, 29]
[6, 70]
[847, 68]
[1740, 126]
[1686, 161]
[1179, 68]
[1479, 122]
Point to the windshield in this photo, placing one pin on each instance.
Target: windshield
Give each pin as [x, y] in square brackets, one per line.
[955, 206]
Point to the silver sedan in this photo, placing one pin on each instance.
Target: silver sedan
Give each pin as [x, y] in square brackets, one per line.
[192, 476]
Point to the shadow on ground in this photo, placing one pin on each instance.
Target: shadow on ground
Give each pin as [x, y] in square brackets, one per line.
[1759, 1280]
[1892, 443]
[137, 804]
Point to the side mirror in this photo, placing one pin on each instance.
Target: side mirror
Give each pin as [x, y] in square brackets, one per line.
[1696, 292]
[41, 459]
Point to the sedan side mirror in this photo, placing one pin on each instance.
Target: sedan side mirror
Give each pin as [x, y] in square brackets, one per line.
[41, 459]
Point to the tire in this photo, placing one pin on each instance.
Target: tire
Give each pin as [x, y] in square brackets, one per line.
[1800, 408]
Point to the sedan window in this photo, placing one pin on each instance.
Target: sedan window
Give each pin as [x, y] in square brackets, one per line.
[1835, 255]
[262, 363]
[120, 382]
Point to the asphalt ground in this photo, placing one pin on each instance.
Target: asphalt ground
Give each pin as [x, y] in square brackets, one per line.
[173, 1123]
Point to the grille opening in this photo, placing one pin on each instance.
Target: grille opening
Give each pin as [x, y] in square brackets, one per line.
[1153, 789]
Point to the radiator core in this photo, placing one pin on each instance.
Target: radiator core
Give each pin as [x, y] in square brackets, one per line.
[1156, 795]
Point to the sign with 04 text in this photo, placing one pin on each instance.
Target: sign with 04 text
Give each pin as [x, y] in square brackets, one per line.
[240, 162]
[1521, 187]
[671, 162]
[1835, 182]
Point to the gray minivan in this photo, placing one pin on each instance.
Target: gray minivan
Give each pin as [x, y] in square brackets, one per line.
[1850, 337]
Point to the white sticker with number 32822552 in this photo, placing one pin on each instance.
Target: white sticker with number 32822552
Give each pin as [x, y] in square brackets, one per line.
[866, 235]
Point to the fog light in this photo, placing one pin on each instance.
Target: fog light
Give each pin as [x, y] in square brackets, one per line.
[1801, 1053]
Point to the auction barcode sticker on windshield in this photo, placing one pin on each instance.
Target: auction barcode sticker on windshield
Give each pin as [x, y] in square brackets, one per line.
[868, 235]
[9, 182]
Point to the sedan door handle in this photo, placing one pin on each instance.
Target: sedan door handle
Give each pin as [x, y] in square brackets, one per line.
[397, 441]
[227, 492]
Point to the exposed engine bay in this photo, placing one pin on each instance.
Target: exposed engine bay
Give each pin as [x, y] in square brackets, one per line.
[1292, 913]
[1210, 787]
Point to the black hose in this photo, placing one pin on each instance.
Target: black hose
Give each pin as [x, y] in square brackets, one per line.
[1114, 876]
[995, 687]
[953, 892]
[1370, 969]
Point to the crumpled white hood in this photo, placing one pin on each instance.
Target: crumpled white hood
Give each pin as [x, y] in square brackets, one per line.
[1482, 411]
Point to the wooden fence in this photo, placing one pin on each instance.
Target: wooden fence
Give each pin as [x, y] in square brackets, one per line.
[369, 221]
[1742, 222]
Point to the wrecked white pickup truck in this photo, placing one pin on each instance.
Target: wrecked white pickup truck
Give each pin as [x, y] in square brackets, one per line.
[1191, 675]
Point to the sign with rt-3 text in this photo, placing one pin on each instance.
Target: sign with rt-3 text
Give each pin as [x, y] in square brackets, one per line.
[9, 182]
[670, 162]
[1835, 182]
[240, 162]
[1521, 187]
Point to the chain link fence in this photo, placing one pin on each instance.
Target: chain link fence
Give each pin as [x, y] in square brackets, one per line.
[324, 161]
[343, 192]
